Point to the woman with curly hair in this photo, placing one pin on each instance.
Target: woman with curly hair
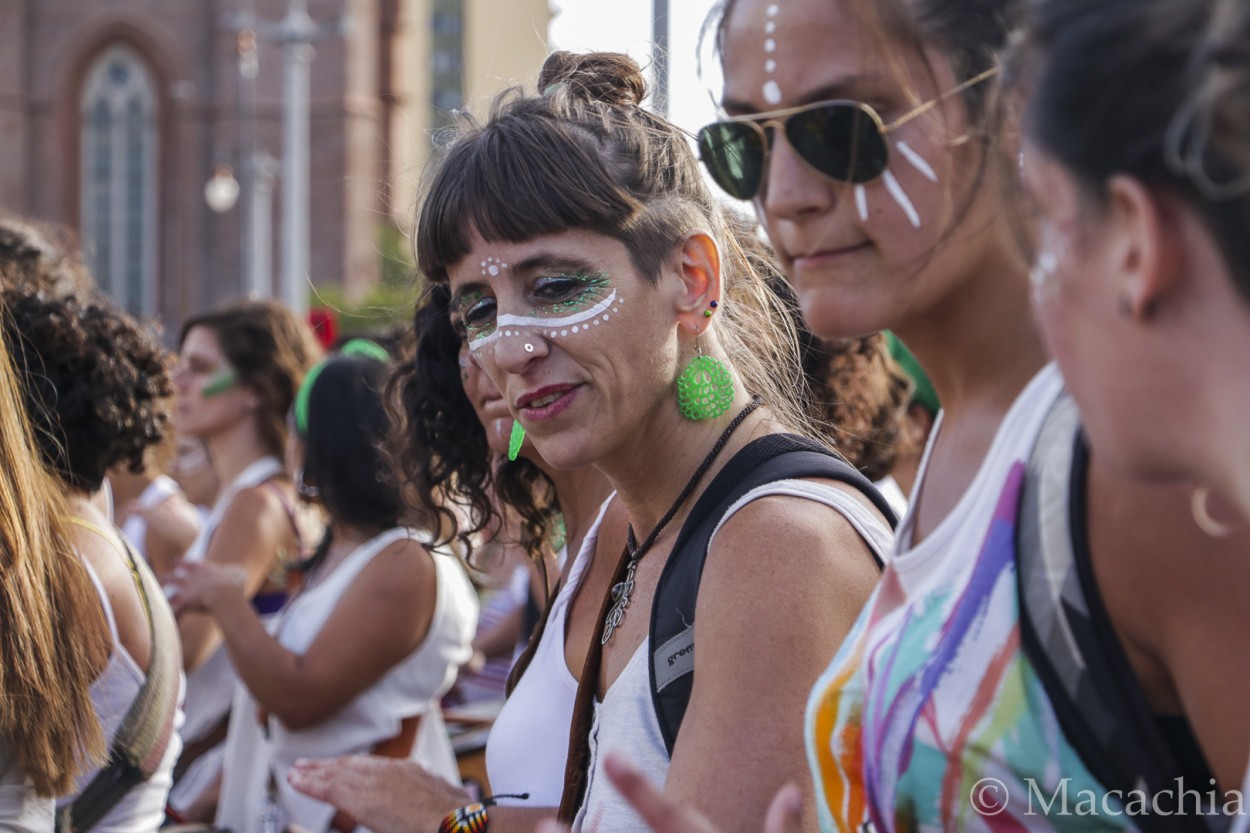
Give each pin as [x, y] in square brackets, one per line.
[238, 372]
[54, 639]
[96, 386]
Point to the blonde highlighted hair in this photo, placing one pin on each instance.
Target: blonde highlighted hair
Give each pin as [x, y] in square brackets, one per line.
[54, 639]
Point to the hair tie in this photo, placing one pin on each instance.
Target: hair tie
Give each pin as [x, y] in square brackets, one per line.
[367, 348]
[356, 348]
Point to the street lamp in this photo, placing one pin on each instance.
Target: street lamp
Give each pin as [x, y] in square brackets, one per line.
[221, 191]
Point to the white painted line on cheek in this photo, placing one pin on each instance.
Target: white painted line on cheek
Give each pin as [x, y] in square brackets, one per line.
[861, 202]
[900, 197]
[917, 161]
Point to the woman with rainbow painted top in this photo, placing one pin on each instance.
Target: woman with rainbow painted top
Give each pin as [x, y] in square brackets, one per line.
[869, 136]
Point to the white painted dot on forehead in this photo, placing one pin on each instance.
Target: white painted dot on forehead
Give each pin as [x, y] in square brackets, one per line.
[771, 90]
[492, 266]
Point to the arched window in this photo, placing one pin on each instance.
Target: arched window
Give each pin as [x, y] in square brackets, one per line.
[118, 185]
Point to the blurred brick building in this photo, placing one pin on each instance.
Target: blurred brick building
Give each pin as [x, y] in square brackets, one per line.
[114, 114]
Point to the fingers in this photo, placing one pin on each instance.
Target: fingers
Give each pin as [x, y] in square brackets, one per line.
[321, 779]
[550, 826]
[785, 814]
[661, 814]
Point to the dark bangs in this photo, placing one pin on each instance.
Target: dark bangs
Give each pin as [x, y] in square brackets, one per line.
[524, 175]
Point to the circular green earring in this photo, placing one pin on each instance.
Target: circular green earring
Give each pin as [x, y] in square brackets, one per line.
[705, 389]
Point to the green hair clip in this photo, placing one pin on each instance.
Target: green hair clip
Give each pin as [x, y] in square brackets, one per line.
[356, 348]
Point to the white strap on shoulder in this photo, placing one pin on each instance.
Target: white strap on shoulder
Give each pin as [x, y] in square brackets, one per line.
[875, 533]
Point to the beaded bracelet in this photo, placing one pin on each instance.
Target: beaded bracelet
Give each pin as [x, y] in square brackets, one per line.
[472, 818]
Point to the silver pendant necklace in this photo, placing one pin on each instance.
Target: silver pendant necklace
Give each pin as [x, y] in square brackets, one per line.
[633, 553]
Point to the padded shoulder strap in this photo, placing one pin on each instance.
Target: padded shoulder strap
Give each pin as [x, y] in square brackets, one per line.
[145, 732]
[766, 460]
[1069, 639]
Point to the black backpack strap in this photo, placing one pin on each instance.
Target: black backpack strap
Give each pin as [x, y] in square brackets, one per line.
[1070, 641]
[146, 731]
[766, 460]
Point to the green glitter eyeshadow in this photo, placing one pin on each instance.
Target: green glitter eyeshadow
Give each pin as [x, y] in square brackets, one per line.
[593, 286]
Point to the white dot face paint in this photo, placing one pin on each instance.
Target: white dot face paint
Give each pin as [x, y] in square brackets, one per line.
[583, 300]
[771, 90]
[492, 266]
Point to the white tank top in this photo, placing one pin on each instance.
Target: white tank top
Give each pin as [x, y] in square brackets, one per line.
[528, 743]
[211, 686]
[142, 809]
[21, 811]
[135, 527]
[412, 687]
[625, 720]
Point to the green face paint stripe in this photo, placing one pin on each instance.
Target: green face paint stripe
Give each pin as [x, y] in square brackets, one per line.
[220, 382]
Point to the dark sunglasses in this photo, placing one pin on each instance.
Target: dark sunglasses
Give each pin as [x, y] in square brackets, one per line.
[844, 141]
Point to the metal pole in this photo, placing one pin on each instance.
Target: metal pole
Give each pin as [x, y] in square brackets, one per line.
[659, 55]
[248, 68]
[295, 162]
[260, 269]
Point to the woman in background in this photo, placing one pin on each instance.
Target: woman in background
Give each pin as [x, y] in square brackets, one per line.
[238, 371]
[95, 409]
[359, 658]
[54, 639]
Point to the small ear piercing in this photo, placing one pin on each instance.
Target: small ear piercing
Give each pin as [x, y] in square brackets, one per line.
[707, 313]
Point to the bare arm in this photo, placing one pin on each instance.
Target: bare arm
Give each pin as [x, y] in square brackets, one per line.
[380, 619]
[252, 530]
[784, 583]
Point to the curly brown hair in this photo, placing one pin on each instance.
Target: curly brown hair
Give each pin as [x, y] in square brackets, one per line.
[440, 451]
[96, 383]
[270, 349]
[42, 256]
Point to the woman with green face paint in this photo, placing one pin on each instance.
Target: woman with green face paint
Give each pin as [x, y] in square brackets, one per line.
[238, 372]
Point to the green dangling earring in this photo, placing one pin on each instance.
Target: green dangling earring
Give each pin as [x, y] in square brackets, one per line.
[705, 389]
[516, 440]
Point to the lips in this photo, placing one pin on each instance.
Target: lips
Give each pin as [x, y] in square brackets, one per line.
[546, 402]
[825, 255]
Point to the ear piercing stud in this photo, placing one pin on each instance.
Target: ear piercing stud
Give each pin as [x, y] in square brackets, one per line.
[707, 313]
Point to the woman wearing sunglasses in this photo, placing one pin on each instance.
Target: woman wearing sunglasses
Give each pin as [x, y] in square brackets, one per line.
[881, 188]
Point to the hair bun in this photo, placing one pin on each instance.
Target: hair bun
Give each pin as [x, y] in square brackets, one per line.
[610, 77]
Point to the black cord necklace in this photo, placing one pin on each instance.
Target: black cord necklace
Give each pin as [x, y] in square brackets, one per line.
[621, 590]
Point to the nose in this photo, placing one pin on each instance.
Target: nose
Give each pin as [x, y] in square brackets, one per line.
[514, 350]
[790, 190]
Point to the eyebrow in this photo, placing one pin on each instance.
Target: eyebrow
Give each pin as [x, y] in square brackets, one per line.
[551, 262]
[844, 88]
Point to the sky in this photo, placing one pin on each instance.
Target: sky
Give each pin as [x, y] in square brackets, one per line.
[625, 26]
